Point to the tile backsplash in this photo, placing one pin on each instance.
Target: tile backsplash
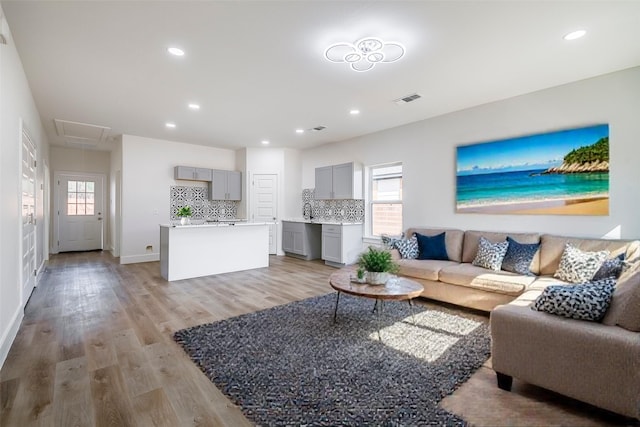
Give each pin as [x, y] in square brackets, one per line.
[202, 208]
[350, 210]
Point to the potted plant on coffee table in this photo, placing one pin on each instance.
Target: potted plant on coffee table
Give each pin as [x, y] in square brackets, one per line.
[185, 214]
[379, 264]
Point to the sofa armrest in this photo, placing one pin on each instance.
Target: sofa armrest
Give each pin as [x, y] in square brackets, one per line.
[587, 361]
[395, 254]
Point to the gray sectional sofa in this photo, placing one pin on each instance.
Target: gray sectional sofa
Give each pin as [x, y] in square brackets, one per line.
[595, 362]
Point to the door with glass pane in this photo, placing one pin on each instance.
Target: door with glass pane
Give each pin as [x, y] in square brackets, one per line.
[80, 219]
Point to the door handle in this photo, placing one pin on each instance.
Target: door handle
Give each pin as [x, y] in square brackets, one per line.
[99, 219]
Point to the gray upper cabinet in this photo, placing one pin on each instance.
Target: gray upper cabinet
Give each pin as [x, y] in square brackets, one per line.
[191, 173]
[225, 185]
[342, 181]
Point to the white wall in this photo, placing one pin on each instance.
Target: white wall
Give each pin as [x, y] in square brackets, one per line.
[16, 107]
[115, 197]
[427, 151]
[147, 175]
[65, 159]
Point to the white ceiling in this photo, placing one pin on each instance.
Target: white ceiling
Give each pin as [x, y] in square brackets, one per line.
[257, 68]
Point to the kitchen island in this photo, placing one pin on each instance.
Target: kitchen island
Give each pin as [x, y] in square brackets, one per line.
[197, 250]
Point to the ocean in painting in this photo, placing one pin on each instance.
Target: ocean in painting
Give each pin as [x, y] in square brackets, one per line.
[503, 188]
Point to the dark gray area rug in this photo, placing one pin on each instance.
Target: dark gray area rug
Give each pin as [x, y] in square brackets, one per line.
[291, 365]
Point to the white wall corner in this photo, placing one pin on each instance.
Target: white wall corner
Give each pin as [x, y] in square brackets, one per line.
[10, 335]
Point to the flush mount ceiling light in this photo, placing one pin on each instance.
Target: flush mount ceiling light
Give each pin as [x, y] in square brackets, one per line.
[170, 125]
[364, 54]
[299, 130]
[265, 142]
[194, 106]
[354, 112]
[175, 51]
[575, 35]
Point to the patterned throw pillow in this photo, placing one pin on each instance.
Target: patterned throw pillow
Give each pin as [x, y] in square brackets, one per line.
[587, 301]
[611, 267]
[389, 242]
[490, 255]
[408, 248]
[577, 266]
[519, 256]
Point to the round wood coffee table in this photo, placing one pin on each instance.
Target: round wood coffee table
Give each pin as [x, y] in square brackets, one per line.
[397, 288]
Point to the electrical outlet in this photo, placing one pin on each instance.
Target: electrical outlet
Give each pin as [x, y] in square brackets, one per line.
[149, 248]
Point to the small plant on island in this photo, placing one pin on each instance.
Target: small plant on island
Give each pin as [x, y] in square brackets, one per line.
[377, 261]
[184, 212]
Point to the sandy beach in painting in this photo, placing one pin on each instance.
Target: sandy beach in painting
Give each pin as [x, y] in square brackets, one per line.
[576, 206]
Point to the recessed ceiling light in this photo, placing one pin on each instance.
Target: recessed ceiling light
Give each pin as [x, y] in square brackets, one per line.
[175, 51]
[299, 130]
[265, 142]
[194, 106]
[354, 112]
[575, 35]
[170, 125]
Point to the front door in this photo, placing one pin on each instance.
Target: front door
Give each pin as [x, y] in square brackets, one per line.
[80, 224]
[264, 202]
[28, 202]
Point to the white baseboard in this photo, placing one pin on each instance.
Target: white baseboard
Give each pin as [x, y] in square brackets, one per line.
[10, 335]
[132, 259]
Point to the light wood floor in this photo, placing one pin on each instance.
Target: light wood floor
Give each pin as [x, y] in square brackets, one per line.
[95, 348]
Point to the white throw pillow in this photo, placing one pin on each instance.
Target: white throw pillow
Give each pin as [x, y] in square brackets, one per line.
[578, 266]
[490, 255]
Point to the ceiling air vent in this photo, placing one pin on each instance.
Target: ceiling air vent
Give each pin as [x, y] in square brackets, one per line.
[407, 99]
[318, 128]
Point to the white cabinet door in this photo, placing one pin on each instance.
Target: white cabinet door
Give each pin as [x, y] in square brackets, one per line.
[234, 185]
[343, 181]
[332, 247]
[324, 183]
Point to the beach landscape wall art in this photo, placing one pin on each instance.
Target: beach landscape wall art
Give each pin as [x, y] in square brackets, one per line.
[559, 173]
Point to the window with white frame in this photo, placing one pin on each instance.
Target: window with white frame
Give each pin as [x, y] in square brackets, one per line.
[385, 202]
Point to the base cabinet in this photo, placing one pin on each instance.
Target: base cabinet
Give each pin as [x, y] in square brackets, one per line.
[341, 243]
[301, 240]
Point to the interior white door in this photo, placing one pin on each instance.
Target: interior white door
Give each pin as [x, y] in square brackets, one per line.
[264, 203]
[80, 214]
[28, 217]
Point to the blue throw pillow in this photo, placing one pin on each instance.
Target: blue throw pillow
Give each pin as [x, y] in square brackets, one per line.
[611, 267]
[519, 256]
[432, 247]
[585, 301]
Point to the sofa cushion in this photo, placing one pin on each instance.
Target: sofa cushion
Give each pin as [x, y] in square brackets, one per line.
[630, 315]
[480, 278]
[453, 239]
[423, 269]
[519, 256]
[611, 267]
[585, 301]
[471, 239]
[578, 266]
[490, 255]
[432, 247]
[627, 290]
[552, 247]
[542, 282]
[408, 248]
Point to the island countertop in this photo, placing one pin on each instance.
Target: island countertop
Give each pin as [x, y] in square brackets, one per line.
[216, 224]
[197, 250]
